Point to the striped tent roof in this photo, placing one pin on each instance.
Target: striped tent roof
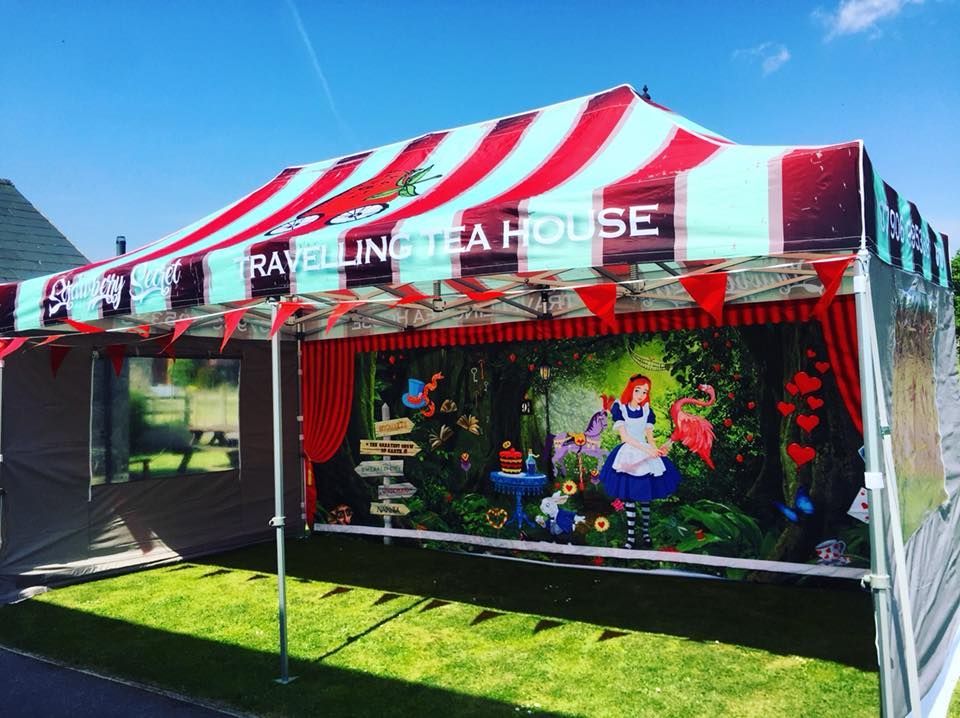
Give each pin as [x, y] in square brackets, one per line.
[605, 188]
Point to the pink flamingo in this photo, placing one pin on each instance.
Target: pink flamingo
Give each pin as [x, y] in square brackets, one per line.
[692, 430]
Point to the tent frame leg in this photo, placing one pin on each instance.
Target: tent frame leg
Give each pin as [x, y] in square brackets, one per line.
[878, 580]
[278, 521]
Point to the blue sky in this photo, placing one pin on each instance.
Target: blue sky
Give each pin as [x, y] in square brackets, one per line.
[138, 118]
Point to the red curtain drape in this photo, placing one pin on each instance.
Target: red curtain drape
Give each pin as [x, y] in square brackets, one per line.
[839, 322]
[328, 365]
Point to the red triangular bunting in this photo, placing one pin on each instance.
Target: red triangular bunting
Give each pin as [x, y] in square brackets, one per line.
[831, 277]
[117, 353]
[230, 322]
[338, 311]
[179, 327]
[284, 310]
[600, 299]
[483, 296]
[411, 295]
[143, 330]
[9, 346]
[47, 340]
[82, 326]
[57, 355]
[708, 290]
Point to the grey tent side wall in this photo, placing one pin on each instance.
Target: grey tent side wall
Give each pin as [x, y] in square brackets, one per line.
[931, 532]
[56, 529]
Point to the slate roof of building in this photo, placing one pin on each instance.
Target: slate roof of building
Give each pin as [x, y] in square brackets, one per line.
[30, 246]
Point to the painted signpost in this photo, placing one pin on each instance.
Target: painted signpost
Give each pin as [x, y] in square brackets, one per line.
[393, 427]
[396, 491]
[375, 447]
[376, 469]
[379, 509]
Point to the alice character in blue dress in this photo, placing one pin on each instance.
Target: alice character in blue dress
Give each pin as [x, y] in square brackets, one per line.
[637, 471]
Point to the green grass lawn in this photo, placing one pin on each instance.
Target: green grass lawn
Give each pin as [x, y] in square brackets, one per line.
[403, 631]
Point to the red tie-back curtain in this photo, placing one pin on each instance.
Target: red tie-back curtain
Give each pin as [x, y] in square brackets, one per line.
[327, 396]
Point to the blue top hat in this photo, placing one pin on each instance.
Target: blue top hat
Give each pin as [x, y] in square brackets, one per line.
[414, 397]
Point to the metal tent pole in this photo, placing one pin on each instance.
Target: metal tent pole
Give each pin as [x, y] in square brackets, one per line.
[278, 521]
[879, 577]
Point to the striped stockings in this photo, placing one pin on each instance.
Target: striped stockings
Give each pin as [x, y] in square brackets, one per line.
[630, 509]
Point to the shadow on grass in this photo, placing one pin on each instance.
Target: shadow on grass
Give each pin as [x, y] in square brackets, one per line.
[225, 673]
[831, 622]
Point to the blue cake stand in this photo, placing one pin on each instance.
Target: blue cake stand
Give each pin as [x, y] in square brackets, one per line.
[519, 485]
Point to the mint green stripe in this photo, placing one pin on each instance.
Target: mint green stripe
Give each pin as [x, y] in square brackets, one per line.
[727, 218]
[882, 220]
[906, 224]
[29, 296]
[927, 249]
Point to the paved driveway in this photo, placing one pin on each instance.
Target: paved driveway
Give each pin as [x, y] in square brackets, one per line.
[30, 687]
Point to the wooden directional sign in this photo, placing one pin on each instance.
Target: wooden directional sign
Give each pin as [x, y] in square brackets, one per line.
[376, 469]
[388, 448]
[389, 509]
[393, 427]
[396, 491]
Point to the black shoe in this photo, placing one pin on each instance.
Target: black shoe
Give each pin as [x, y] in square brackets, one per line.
[645, 542]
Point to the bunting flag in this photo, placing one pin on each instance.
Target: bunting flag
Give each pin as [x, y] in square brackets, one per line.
[83, 326]
[601, 300]
[411, 296]
[709, 292]
[831, 277]
[9, 346]
[230, 322]
[179, 327]
[475, 292]
[51, 338]
[338, 311]
[117, 354]
[143, 330]
[57, 354]
[284, 310]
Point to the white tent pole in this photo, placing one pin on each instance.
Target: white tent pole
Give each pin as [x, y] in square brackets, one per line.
[902, 582]
[277, 521]
[879, 577]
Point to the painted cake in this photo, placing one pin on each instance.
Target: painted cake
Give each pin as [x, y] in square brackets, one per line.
[511, 460]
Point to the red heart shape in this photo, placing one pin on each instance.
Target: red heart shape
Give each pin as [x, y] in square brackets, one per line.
[728, 422]
[751, 405]
[805, 383]
[811, 354]
[814, 403]
[791, 388]
[716, 367]
[801, 454]
[822, 366]
[808, 422]
[864, 505]
[786, 408]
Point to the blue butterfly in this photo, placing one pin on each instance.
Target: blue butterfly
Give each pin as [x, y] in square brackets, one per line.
[802, 504]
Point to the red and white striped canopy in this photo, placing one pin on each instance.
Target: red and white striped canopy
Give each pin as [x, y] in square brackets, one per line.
[580, 191]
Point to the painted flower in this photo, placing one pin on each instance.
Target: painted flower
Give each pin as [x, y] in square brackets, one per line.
[594, 477]
[701, 536]
[569, 488]
[512, 357]
[728, 422]
[617, 505]
[448, 498]
[465, 461]
[601, 523]
[739, 458]
[749, 437]
[597, 560]
[579, 439]
[669, 549]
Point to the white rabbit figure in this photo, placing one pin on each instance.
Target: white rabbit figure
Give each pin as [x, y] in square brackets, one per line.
[558, 521]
